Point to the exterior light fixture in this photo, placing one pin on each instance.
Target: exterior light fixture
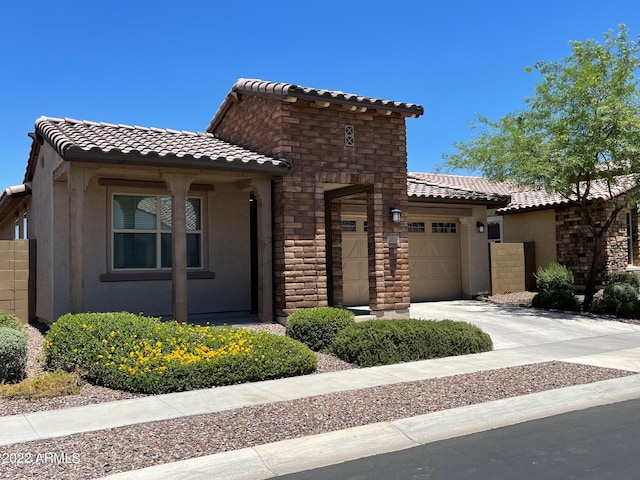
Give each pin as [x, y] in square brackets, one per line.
[480, 227]
[395, 214]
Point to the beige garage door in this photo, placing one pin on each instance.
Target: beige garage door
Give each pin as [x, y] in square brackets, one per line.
[434, 259]
[355, 264]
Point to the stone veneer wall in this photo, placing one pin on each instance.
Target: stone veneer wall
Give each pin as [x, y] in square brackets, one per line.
[575, 243]
[507, 268]
[15, 275]
[313, 140]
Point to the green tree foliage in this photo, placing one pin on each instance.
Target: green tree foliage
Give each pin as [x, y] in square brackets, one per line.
[581, 130]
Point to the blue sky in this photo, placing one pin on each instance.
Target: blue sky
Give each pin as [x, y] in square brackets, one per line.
[170, 64]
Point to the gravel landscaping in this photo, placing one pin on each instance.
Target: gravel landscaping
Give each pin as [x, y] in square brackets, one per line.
[100, 453]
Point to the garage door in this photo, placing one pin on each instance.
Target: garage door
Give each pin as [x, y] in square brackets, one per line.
[355, 263]
[434, 259]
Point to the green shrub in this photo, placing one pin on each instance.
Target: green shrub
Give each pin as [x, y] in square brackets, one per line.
[628, 309]
[560, 298]
[553, 277]
[317, 327]
[11, 321]
[628, 278]
[13, 355]
[384, 342]
[619, 299]
[622, 292]
[141, 354]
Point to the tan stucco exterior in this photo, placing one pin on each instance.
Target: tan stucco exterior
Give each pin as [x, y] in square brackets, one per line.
[537, 227]
[224, 284]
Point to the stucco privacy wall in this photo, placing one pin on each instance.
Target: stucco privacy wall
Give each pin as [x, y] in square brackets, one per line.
[537, 227]
[313, 140]
[15, 277]
[507, 268]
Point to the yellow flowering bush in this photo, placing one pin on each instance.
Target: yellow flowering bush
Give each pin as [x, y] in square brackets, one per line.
[143, 354]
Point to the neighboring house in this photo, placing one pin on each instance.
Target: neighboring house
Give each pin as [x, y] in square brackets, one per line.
[554, 225]
[286, 201]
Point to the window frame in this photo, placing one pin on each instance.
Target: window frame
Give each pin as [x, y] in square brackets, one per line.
[495, 220]
[158, 231]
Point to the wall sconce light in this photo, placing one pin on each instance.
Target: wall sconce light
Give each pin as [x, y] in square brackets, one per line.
[480, 227]
[395, 214]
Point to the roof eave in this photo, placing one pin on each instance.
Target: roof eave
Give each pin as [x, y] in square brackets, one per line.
[498, 203]
[288, 92]
[172, 161]
[12, 197]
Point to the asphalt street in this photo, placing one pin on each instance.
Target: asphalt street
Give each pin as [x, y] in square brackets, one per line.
[596, 443]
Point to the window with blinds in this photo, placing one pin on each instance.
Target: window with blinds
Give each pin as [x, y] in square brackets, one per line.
[141, 229]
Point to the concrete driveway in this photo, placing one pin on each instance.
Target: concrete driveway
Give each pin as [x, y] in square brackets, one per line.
[512, 327]
[542, 334]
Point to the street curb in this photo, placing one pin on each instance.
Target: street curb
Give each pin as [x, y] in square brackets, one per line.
[296, 455]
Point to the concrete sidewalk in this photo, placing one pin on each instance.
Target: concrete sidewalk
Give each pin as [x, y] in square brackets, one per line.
[521, 336]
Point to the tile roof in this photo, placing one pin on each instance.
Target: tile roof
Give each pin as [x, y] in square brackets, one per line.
[429, 190]
[468, 183]
[539, 199]
[521, 199]
[291, 92]
[78, 140]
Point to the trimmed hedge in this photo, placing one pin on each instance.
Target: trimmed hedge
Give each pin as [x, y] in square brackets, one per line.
[317, 327]
[13, 355]
[141, 354]
[384, 342]
[11, 321]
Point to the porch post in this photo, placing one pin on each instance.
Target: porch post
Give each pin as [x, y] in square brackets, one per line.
[76, 239]
[178, 187]
[265, 254]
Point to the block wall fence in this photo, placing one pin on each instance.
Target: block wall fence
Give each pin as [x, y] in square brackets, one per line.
[17, 277]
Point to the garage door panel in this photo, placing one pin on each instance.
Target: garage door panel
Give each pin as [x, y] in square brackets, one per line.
[434, 264]
[355, 266]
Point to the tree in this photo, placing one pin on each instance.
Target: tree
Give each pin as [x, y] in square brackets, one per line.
[581, 129]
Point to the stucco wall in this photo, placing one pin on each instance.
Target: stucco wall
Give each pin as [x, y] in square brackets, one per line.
[41, 228]
[537, 227]
[227, 253]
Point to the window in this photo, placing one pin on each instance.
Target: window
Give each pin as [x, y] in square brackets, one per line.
[494, 228]
[349, 225]
[416, 227]
[142, 232]
[443, 227]
[493, 232]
